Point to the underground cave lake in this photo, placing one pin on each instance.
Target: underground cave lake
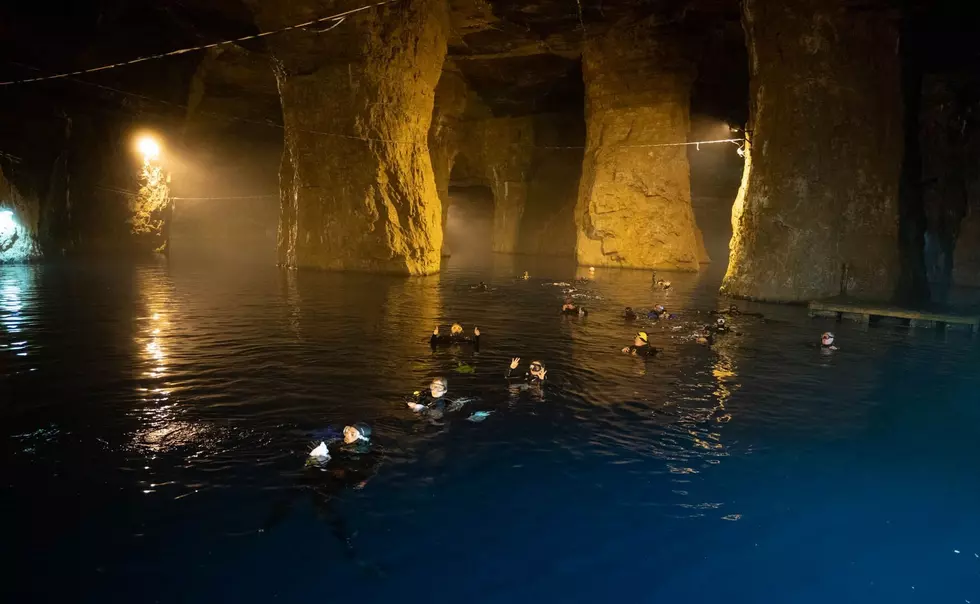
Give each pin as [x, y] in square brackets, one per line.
[156, 421]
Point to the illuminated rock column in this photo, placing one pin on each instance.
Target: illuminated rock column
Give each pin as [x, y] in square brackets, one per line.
[151, 208]
[817, 213]
[357, 183]
[634, 207]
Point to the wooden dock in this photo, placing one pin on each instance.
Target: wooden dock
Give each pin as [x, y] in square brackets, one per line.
[865, 312]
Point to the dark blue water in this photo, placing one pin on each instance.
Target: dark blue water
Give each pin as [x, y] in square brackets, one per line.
[155, 417]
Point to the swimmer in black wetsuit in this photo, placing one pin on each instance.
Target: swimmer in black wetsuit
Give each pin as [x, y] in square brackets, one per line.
[706, 337]
[482, 287]
[534, 377]
[455, 338]
[733, 311]
[433, 403]
[629, 314]
[353, 463]
[569, 308]
[641, 346]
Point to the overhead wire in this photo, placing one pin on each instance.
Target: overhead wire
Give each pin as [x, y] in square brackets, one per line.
[339, 16]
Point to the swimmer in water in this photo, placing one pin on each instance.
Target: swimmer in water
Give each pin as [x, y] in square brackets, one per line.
[706, 337]
[659, 312]
[525, 276]
[569, 308]
[641, 346]
[534, 376]
[433, 403]
[721, 326]
[827, 341]
[629, 314]
[733, 311]
[353, 464]
[481, 287]
[455, 338]
[665, 285]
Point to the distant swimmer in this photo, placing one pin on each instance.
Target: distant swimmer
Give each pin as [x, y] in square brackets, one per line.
[641, 346]
[569, 308]
[665, 285]
[482, 287]
[827, 341]
[455, 338]
[432, 404]
[629, 314]
[721, 326]
[534, 376]
[525, 276]
[706, 337]
[733, 311]
[659, 312]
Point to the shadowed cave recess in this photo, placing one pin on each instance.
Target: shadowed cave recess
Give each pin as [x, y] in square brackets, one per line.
[419, 129]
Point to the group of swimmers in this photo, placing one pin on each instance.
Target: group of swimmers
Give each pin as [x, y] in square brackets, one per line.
[354, 442]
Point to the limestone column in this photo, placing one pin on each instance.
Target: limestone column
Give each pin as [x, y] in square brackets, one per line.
[634, 207]
[817, 213]
[357, 103]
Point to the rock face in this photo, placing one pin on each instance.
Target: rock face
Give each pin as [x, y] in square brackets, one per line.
[634, 206]
[357, 186]
[533, 184]
[950, 139]
[152, 210]
[817, 213]
[19, 217]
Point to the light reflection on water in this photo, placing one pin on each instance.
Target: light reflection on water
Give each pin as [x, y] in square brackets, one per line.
[188, 394]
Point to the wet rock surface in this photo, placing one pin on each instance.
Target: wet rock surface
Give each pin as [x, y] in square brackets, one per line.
[358, 192]
[817, 214]
[634, 208]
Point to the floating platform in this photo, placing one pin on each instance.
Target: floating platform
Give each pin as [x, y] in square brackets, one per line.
[867, 312]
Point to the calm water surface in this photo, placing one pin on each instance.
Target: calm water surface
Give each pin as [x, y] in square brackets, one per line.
[154, 417]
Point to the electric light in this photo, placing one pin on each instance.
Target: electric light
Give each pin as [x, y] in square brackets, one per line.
[149, 147]
[7, 220]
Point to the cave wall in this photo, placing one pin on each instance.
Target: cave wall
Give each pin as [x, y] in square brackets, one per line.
[950, 141]
[534, 186]
[817, 212]
[634, 207]
[357, 182]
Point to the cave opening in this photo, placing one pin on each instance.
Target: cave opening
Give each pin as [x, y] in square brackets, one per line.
[468, 230]
[719, 110]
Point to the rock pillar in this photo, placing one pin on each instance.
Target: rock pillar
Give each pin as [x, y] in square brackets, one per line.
[634, 207]
[357, 183]
[152, 209]
[817, 213]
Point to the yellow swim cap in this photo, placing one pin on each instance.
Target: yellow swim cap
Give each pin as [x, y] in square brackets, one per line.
[642, 335]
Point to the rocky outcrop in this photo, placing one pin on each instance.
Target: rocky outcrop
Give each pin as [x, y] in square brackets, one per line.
[817, 213]
[634, 206]
[19, 216]
[357, 183]
[530, 164]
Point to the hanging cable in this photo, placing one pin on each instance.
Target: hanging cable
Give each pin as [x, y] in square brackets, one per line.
[173, 53]
[736, 141]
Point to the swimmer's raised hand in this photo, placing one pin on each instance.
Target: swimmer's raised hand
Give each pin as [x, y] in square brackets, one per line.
[435, 331]
[514, 362]
[476, 331]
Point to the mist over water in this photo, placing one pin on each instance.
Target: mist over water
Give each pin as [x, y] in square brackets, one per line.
[155, 415]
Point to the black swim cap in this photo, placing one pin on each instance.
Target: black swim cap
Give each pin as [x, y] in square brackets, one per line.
[364, 429]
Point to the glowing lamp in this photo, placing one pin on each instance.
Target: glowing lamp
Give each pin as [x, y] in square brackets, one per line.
[7, 220]
[149, 147]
